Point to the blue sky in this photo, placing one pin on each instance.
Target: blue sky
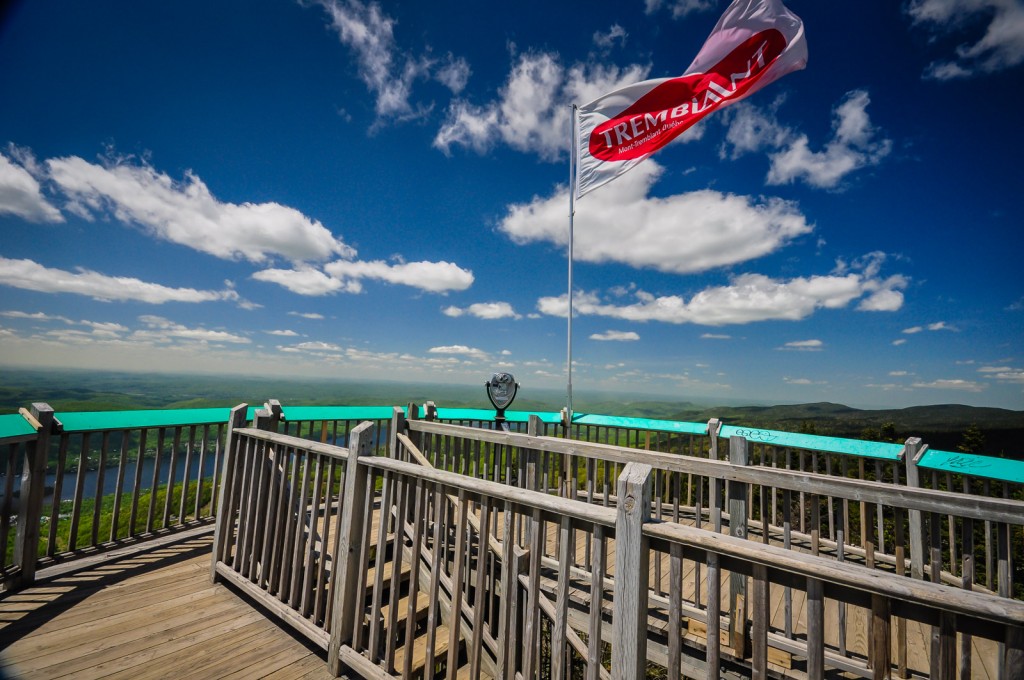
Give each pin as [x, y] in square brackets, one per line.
[379, 190]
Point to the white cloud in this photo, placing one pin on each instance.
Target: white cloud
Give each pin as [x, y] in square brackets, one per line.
[98, 328]
[433, 277]
[679, 8]
[616, 336]
[347, 275]
[29, 275]
[454, 73]
[164, 330]
[317, 346]
[901, 341]
[34, 316]
[854, 145]
[684, 233]
[387, 73]
[1006, 374]
[715, 336]
[306, 281]
[804, 345]
[898, 374]
[797, 381]
[21, 195]
[1001, 47]
[751, 129]
[937, 326]
[283, 333]
[531, 113]
[484, 310]
[187, 213]
[748, 298]
[954, 384]
[308, 315]
[607, 40]
[460, 350]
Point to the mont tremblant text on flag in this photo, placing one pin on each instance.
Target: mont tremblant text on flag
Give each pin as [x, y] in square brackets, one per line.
[754, 43]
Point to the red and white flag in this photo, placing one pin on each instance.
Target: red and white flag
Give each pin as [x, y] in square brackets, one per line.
[754, 43]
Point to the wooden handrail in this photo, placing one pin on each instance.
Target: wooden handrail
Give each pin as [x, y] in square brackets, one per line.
[999, 610]
[925, 500]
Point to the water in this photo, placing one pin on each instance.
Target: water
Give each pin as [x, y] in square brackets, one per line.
[91, 478]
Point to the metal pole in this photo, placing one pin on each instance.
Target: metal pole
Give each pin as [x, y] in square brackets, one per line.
[572, 213]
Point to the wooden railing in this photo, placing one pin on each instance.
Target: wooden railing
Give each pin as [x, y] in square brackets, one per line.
[913, 517]
[493, 550]
[92, 482]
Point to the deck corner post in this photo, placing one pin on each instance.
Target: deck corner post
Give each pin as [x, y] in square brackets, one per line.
[632, 557]
[276, 413]
[1013, 655]
[533, 429]
[738, 455]
[263, 419]
[430, 411]
[412, 412]
[226, 494]
[397, 427]
[714, 426]
[33, 480]
[355, 513]
[912, 454]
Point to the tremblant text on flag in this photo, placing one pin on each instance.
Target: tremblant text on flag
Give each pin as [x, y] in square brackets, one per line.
[754, 43]
[656, 118]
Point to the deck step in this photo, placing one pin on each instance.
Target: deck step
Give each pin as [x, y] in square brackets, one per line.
[422, 605]
[419, 652]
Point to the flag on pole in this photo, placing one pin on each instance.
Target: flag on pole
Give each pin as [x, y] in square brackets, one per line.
[754, 43]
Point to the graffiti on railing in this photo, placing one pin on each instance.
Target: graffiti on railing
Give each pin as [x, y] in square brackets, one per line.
[765, 436]
[967, 463]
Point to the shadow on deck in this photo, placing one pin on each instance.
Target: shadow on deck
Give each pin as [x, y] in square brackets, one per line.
[151, 613]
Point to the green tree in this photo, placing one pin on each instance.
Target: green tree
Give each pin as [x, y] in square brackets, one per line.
[972, 440]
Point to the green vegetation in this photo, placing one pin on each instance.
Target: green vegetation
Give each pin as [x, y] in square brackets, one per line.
[104, 517]
[995, 431]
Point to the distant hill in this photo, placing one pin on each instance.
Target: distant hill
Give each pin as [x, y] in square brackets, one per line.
[942, 426]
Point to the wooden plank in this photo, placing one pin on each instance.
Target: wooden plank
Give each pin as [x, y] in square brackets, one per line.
[738, 511]
[815, 628]
[629, 642]
[566, 550]
[346, 597]
[760, 616]
[223, 527]
[459, 559]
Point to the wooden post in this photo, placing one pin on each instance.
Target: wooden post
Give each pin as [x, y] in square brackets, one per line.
[355, 513]
[912, 453]
[224, 511]
[276, 413]
[738, 528]
[413, 413]
[714, 425]
[532, 480]
[880, 641]
[1013, 657]
[33, 478]
[632, 556]
[397, 427]
[815, 628]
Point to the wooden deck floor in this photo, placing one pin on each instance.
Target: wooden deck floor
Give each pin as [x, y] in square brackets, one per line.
[154, 614]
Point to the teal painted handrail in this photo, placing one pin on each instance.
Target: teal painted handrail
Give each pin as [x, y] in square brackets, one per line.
[14, 427]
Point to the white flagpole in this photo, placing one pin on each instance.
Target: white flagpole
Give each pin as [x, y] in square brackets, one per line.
[572, 213]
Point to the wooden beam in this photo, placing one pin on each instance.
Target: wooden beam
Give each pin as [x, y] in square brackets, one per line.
[632, 556]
